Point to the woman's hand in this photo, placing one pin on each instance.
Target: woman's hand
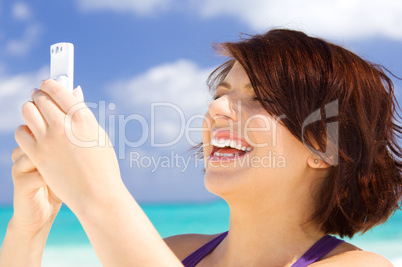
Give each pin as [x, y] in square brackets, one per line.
[65, 142]
[35, 208]
[76, 159]
[35, 205]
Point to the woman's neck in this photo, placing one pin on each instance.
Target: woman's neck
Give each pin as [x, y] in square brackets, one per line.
[261, 233]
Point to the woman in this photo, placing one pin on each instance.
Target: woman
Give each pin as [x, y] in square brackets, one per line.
[323, 113]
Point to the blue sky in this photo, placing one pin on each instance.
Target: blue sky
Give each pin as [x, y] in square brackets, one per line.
[132, 54]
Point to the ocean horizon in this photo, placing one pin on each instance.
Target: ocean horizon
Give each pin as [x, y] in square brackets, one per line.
[68, 244]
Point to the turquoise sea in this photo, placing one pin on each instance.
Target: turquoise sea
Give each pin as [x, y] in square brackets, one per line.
[68, 245]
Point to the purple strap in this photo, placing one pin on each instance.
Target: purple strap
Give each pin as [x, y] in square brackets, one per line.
[321, 248]
[194, 258]
[317, 251]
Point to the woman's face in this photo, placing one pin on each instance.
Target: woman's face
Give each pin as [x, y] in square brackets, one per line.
[246, 150]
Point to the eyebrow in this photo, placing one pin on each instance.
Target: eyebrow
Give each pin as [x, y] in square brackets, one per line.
[228, 86]
[224, 84]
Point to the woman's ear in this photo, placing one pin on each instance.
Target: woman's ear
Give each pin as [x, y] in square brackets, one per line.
[317, 163]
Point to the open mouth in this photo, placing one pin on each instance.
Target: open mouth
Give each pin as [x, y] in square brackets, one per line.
[228, 145]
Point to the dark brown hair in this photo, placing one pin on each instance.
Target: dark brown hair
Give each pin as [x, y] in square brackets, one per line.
[294, 75]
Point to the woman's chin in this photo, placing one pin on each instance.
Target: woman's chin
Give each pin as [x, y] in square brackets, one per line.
[223, 183]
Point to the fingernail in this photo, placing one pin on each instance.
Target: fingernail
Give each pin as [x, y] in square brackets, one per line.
[34, 90]
[41, 81]
[80, 93]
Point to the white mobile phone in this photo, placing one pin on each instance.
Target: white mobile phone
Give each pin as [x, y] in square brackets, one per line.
[62, 64]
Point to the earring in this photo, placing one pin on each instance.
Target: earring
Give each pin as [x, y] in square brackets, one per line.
[315, 160]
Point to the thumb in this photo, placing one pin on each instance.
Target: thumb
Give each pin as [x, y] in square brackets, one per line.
[78, 93]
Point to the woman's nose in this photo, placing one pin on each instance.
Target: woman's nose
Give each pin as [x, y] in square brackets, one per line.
[223, 108]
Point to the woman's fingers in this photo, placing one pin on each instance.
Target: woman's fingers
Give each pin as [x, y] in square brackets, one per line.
[53, 102]
[26, 177]
[25, 139]
[24, 165]
[28, 183]
[47, 108]
[17, 154]
[77, 92]
[64, 99]
[34, 119]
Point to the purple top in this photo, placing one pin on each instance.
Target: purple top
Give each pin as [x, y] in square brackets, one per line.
[317, 251]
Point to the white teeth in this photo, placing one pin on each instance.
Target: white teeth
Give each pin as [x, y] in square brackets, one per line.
[222, 143]
[213, 142]
[223, 154]
[232, 144]
[228, 143]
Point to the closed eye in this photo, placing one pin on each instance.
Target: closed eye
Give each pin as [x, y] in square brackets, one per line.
[216, 97]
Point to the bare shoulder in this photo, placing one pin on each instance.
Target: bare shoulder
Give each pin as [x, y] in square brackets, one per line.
[184, 245]
[347, 254]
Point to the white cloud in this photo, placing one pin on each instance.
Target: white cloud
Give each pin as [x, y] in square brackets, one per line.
[181, 85]
[338, 19]
[15, 90]
[20, 46]
[138, 7]
[21, 11]
[181, 82]
[23, 45]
